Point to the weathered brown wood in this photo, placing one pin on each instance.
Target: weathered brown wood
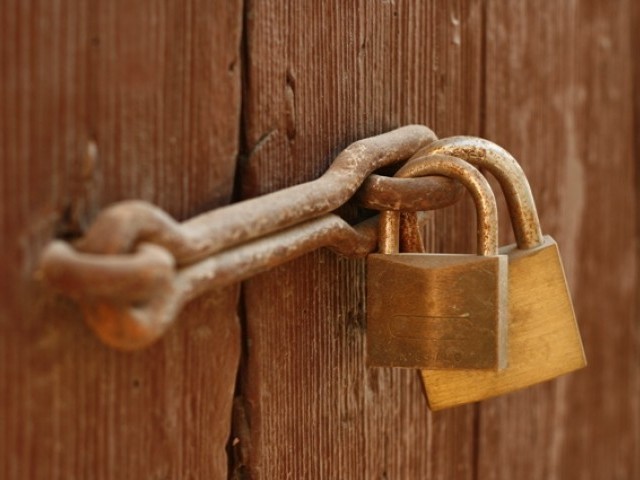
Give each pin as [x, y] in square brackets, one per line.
[634, 20]
[106, 100]
[552, 72]
[319, 75]
[102, 101]
[558, 96]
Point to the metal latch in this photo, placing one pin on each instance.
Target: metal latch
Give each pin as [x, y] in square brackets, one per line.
[136, 267]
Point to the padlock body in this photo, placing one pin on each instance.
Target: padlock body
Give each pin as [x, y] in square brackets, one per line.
[436, 311]
[544, 340]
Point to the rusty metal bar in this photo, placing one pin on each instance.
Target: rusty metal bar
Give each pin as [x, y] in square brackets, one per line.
[130, 299]
[81, 274]
[131, 277]
[127, 317]
[120, 227]
[381, 193]
[136, 266]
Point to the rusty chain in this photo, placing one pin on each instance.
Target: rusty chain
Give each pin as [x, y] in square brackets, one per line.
[136, 267]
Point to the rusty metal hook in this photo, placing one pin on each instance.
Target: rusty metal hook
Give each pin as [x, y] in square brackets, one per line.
[136, 266]
[131, 299]
[120, 227]
[139, 295]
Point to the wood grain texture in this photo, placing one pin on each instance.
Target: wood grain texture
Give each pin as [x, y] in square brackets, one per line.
[103, 101]
[106, 100]
[550, 81]
[320, 75]
[558, 96]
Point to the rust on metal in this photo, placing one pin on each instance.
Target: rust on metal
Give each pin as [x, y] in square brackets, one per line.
[130, 277]
[129, 319]
[120, 227]
[379, 192]
[136, 266]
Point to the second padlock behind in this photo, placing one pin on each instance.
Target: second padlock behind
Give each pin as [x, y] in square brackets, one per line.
[543, 337]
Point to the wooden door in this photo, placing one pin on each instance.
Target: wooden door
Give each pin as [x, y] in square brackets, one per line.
[194, 104]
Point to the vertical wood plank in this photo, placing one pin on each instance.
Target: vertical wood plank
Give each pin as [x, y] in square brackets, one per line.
[102, 101]
[558, 96]
[320, 75]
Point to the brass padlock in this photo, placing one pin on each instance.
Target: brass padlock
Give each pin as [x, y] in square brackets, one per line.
[544, 340]
[439, 311]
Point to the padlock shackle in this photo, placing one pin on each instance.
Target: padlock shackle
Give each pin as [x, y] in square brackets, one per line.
[485, 154]
[471, 179]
